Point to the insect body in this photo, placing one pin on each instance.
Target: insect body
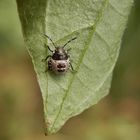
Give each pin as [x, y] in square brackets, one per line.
[59, 61]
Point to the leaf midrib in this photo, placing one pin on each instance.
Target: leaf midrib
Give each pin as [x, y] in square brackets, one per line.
[81, 57]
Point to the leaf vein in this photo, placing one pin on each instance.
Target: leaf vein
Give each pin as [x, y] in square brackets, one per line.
[107, 45]
[82, 56]
[116, 10]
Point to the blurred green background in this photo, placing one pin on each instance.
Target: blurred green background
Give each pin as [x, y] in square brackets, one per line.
[116, 117]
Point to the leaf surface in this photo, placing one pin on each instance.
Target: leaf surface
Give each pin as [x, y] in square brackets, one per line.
[98, 26]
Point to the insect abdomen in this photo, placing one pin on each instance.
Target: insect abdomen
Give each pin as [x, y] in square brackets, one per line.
[58, 66]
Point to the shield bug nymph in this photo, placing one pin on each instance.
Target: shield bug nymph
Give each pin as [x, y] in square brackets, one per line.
[59, 62]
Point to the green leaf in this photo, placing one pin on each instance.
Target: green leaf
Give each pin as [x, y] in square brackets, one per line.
[99, 26]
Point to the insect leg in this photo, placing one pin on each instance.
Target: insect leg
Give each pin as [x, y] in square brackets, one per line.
[46, 58]
[68, 49]
[72, 68]
[48, 48]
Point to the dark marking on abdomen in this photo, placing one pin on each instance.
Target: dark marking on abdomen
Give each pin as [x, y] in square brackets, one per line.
[61, 65]
[61, 70]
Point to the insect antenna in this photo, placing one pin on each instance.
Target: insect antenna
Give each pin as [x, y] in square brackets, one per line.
[50, 40]
[69, 41]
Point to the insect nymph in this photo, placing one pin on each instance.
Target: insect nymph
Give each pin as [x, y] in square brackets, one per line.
[59, 62]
